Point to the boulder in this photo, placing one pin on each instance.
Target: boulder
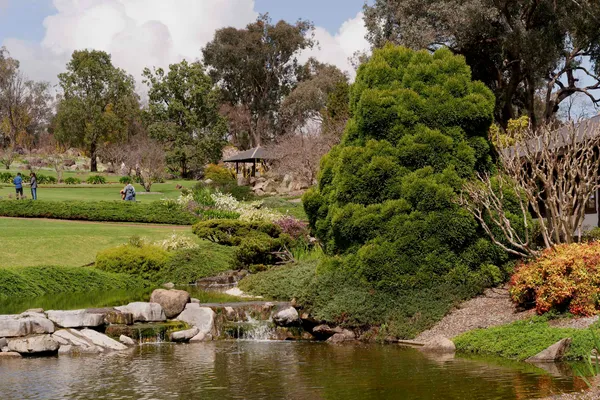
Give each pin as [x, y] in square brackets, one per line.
[439, 344]
[172, 301]
[101, 340]
[344, 336]
[4, 349]
[75, 319]
[556, 352]
[118, 318]
[270, 186]
[184, 336]
[74, 339]
[33, 344]
[35, 310]
[202, 318]
[325, 331]
[3, 342]
[286, 317]
[65, 349]
[10, 354]
[29, 314]
[144, 312]
[169, 285]
[126, 340]
[195, 301]
[17, 326]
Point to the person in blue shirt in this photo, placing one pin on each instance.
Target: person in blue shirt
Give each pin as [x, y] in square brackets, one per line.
[18, 181]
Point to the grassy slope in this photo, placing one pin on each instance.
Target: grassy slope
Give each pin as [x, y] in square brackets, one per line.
[43, 242]
[523, 339]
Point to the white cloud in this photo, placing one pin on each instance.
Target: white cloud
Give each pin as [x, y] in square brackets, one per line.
[339, 48]
[141, 33]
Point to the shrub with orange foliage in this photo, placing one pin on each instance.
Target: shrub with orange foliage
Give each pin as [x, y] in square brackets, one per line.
[566, 277]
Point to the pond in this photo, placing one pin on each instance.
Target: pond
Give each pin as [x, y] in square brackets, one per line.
[274, 370]
[110, 298]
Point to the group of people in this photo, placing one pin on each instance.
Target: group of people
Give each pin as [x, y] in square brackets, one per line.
[127, 193]
[18, 182]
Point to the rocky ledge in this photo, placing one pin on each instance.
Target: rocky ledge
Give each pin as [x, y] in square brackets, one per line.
[171, 315]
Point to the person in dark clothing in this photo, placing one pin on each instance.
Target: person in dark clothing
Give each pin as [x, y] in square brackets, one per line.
[18, 181]
[33, 183]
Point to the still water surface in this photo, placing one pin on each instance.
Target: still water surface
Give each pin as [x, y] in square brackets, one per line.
[273, 370]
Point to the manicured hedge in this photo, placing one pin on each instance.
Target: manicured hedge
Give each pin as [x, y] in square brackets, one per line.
[39, 281]
[111, 211]
[145, 261]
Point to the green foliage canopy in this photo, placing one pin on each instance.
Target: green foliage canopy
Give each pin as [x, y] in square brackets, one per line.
[385, 196]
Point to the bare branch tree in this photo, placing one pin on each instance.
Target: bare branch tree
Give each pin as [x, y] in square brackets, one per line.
[147, 158]
[557, 172]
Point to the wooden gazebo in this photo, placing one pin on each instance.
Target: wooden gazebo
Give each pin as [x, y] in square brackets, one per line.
[257, 154]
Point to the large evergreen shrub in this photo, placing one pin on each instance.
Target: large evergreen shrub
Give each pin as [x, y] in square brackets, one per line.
[384, 201]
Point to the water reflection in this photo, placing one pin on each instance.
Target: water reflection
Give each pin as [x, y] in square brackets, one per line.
[286, 370]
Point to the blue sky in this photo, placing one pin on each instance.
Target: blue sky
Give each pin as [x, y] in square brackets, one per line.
[42, 34]
[23, 19]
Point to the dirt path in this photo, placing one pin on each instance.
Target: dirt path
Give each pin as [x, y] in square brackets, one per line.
[493, 308]
[127, 224]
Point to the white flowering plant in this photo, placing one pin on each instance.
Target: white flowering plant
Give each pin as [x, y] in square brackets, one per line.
[249, 212]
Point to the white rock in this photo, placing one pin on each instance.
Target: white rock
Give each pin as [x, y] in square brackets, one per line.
[193, 300]
[75, 319]
[16, 326]
[33, 344]
[554, 353]
[144, 312]
[184, 336]
[126, 340]
[9, 354]
[101, 340]
[286, 317]
[3, 342]
[65, 349]
[5, 348]
[202, 318]
[74, 338]
[439, 344]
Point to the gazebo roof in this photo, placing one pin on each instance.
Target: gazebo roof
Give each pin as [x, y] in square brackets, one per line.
[257, 153]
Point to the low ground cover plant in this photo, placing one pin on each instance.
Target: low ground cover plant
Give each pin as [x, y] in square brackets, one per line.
[154, 212]
[523, 339]
[38, 281]
[72, 181]
[96, 180]
[566, 278]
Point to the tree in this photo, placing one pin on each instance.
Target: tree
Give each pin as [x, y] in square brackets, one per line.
[307, 102]
[257, 67]
[183, 113]
[98, 103]
[384, 199]
[146, 157]
[25, 107]
[555, 172]
[522, 50]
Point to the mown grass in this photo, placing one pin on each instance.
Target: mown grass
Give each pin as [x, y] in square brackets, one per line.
[523, 339]
[35, 242]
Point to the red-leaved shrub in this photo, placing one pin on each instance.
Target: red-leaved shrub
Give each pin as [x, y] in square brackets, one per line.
[566, 277]
[293, 227]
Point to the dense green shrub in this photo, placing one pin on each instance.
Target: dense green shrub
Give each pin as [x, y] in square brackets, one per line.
[38, 281]
[154, 212]
[189, 265]
[202, 191]
[46, 180]
[233, 232]
[145, 262]
[72, 181]
[385, 195]
[218, 174]
[523, 339]
[6, 177]
[257, 242]
[96, 180]
[125, 180]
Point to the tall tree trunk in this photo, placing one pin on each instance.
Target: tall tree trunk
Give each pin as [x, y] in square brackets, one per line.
[93, 156]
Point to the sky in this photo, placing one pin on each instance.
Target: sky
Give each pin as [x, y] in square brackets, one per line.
[42, 34]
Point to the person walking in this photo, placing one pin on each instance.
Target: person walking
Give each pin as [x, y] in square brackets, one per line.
[33, 183]
[18, 182]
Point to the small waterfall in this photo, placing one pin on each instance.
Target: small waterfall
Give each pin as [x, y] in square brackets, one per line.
[259, 330]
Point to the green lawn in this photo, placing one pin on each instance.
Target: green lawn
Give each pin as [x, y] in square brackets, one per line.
[99, 192]
[67, 243]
